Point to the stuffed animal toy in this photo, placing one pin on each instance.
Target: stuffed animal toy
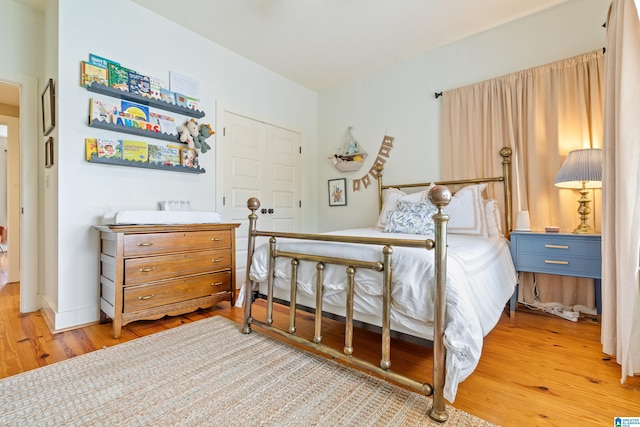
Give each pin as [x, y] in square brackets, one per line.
[205, 132]
[185, 135]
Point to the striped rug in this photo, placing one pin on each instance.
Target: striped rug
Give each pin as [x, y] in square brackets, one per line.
[208, 373]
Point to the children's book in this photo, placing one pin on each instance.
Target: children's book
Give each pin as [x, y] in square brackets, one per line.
[135, 150]
[139, 84]
[162, 155]
[99, 61]
[181, 100]
[167, 96]
[155, 87]
[118, 77]
[167, 123]
[91, 147]
[92, 74]
[189, 158]
[193, 104]
[135, 110]
[109, 148]
[102, 111]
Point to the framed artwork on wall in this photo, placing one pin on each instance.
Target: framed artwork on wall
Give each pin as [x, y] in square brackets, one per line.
[48, 108]
[48, 152]
[338, 192]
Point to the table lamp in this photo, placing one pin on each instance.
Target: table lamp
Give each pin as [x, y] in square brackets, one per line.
[582, 169]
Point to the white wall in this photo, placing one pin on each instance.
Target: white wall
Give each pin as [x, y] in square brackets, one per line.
[399, 99]
[131, 35]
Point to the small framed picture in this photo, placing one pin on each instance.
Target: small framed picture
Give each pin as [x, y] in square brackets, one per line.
[338, 192]
[48, 108]
[48, 152]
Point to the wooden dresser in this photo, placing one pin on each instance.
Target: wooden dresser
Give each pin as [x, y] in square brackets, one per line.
[151, 271]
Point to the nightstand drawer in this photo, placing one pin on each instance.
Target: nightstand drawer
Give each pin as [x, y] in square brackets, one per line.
[559, 246]
[558, 264]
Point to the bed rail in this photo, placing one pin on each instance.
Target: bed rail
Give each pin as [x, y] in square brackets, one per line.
[440, 196]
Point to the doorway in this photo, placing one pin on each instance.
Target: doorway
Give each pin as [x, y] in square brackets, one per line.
[18, 111]
[259, 160]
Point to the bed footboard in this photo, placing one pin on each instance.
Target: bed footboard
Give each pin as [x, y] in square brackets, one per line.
[440, 196]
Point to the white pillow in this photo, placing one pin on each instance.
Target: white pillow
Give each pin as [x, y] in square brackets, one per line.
[467, 212]
[494, 224]
[391, 200]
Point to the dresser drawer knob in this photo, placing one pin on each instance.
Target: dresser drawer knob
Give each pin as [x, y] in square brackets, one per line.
[217, 239]
[557, 246]
[146, 269]
[551, 261]
[146, 297]
[145, 244]
[217, 284]
[217, 260]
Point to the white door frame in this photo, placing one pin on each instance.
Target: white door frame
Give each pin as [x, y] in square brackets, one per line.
[29, 173]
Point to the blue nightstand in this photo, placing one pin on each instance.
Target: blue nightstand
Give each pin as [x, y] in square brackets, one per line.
[564, 254]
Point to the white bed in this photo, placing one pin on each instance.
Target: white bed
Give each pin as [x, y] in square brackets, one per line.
[480, 280]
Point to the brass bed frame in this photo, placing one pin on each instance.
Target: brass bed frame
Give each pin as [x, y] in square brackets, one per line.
[440, 196]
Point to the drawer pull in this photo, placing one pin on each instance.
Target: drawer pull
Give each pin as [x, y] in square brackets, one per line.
[146, 269]
[551, 261]
[145, 244]
[217, 239]
[557, 246]
[216, 284]
[146, 297]
[217, 260]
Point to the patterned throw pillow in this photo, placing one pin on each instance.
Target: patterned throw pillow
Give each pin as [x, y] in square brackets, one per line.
[409, 222]
[425, 208]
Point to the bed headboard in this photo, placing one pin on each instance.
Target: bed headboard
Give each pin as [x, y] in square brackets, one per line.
[505, 153]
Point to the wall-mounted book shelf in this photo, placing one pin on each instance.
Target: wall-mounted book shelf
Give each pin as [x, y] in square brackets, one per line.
[131, 163]
[155, 103]
[134, 131]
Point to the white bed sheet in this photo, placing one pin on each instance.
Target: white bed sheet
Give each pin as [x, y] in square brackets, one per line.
[480, 280]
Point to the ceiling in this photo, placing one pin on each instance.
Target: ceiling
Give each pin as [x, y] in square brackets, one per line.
[321, 43]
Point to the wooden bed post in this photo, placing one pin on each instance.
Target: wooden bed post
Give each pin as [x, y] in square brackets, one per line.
[440, 196]
[253, 204]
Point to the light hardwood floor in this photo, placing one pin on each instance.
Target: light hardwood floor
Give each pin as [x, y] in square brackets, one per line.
[535, 370]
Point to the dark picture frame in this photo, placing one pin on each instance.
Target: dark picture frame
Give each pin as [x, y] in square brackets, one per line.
[48, 152]
[338, 192]
[48, 108]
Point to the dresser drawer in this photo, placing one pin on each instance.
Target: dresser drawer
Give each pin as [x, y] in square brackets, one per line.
[171, 291]
[141, 270]
[557, 246]
[159, 243]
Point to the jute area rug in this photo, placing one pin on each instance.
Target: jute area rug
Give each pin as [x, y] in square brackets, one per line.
[208, 373]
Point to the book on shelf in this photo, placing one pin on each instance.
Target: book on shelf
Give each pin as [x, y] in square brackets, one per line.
[136, 151]
[193, 104]
[118, 77]
[155, 87]
[181, 100]
[167, 96]
[166, 123]
[99, 61]
[102, 111]
[90, 147]
[109, 148]
[139, 84]
[163, 155]
[90, 74]
[189, 157]
[135, 111]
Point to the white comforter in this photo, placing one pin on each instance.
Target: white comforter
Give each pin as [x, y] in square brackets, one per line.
[480, 280]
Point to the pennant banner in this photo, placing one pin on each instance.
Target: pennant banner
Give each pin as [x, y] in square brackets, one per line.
[385, 148]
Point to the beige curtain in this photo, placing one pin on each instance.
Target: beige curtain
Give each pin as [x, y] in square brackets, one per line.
[542, 114]
[621, 229]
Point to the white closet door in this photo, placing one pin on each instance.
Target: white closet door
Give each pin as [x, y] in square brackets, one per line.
[260, 160]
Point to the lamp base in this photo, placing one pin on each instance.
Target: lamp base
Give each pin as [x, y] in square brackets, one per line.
[584, 210]
[584, 229]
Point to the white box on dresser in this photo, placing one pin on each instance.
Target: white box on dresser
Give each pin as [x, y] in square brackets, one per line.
[151, 271]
